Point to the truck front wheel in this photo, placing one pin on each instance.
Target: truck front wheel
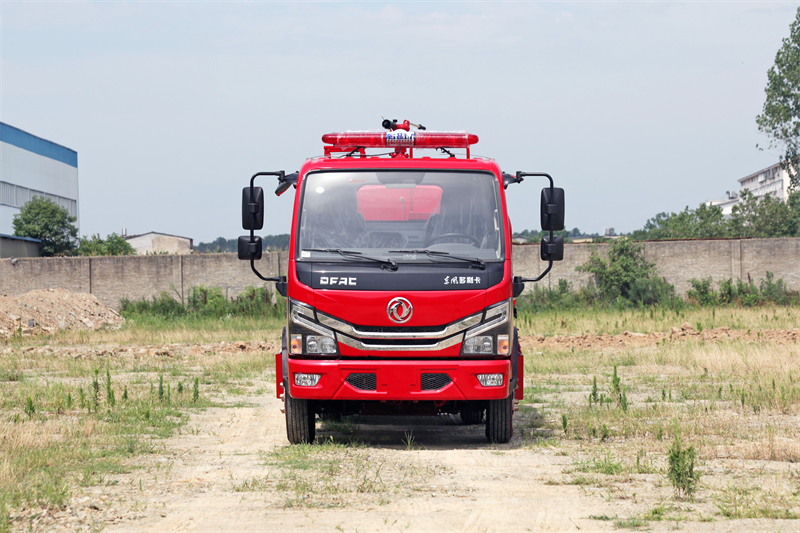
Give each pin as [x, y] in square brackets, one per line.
[300, 422]
[471, 417]
[499, 420]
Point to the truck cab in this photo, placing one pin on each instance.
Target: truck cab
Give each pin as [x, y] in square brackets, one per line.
[400, 288]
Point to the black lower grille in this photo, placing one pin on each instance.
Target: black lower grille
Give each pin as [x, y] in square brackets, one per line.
[434, 381]
[363, 381]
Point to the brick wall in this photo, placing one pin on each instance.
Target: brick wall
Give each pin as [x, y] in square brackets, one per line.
[135, 277]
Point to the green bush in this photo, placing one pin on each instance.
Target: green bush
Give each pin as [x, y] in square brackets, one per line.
[541, 298]
[745, 294]
[625, 278]
[209, 302]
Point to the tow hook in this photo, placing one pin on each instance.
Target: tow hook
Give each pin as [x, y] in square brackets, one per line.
[515, 408]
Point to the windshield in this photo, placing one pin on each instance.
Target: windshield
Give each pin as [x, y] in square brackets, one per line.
[401, 215]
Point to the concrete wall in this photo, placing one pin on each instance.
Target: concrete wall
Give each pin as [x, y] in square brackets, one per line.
[135, 277]
[680, 261]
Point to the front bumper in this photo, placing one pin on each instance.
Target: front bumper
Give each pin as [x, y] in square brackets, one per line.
[399, 380]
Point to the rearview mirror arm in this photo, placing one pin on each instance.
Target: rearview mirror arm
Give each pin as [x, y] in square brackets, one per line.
[520, 177]
[277, 279]
[518, 279]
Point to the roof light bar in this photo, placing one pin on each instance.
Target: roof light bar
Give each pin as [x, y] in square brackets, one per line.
[401, 139]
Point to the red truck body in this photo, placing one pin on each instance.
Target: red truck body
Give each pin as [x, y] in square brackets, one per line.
[400, 286]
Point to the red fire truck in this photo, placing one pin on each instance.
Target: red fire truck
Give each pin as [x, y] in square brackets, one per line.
[400, 288]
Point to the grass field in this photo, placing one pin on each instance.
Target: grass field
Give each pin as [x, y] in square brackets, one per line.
[78, 407]
[619, 410]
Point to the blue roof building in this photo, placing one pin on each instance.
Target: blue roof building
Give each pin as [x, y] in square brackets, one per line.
[31, 166]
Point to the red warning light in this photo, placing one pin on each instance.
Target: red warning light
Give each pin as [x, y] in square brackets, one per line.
[401, 138]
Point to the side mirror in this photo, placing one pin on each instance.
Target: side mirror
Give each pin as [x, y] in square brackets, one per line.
[551, 251]
[248, 248]
[252, 206]
[552, 209]
[282, 187]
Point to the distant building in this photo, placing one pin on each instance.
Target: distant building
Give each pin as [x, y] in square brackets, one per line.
[19, 247]
[159, 243]
[772, 180]
[31, 166]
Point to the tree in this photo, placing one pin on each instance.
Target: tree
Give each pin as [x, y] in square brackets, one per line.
[763, 217]
[41, 218]
[705, 222]
[111, 245]
[780, 117]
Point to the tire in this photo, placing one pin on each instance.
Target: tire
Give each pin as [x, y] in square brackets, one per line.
[300, 421]
[471, 417]
[499, 420]
[330, 417]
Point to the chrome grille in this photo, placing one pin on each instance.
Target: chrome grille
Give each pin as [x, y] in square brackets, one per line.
[434, 381]
[363, 381]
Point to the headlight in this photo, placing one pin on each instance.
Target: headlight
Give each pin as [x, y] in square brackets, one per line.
[491, 336]
[320, 344]
[480, 344]
[306, 333]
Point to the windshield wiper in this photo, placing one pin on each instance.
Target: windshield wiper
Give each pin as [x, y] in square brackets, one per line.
[434, 254]
[352, 254]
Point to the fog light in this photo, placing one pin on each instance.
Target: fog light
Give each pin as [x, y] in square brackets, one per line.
[503, 345]
[306, 380]
[297, 344]
[491, 380]
[479, 344]
[320, 344]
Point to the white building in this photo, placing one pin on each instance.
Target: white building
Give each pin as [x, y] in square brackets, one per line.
[31, 166]
[159, 243]
[772, 180]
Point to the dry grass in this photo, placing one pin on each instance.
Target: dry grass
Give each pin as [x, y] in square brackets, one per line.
[737, 401]
[579, 322]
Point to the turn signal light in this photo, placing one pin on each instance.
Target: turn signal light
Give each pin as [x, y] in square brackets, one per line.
[503, 345]
[297, 344]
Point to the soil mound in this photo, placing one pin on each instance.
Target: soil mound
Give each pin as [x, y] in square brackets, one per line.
[49, 310]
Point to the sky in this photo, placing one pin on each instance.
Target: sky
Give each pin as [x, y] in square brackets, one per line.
[635, 108]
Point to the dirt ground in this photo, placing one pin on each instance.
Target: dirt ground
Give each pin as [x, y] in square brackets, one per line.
[198, 482]
[230, 468]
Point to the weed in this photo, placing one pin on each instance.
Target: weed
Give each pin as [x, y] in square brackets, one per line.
[594, 396]
[408, 440]
[110, 398]
[254, 484]
[602, 517]
[30, 409]
[96, 389]
[680, 471]
[196, 390]
[633, 522]
[601, 465]
[564, 423]
[615, 383]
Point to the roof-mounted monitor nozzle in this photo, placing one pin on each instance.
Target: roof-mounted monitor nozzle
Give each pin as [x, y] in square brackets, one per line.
[392, 125]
